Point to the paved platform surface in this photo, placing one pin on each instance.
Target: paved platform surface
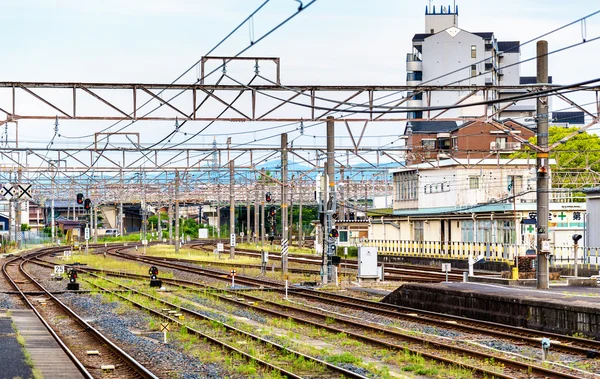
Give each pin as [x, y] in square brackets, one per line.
[46, 354]
[581, 296]
[12, 359]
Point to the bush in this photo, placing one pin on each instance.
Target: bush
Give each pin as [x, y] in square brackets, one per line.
[352, 251]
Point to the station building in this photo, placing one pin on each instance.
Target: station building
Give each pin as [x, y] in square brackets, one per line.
[462, 206]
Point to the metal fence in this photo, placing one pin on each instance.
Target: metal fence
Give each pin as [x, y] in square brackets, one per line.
[496, 252]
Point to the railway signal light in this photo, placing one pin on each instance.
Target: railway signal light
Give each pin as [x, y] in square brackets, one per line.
[73, 285]
[153, 272]
[334, 233]
[272, 211]
[268, 197]
[87, 204]
[79, 198]
[154, 282]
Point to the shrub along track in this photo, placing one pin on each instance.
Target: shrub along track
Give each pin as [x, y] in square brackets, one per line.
[73, 334]
[385, 336]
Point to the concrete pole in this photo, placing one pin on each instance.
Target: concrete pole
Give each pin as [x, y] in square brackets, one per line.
[176, 212]
[262, 210]
[342, 215]
[331, 183]
[170, 214]
[158, 224]
[231, 209]
[575, 255]
[300, 229]
[96, 226]
[256, 215]
[323, 233]
[291, 213]
[284, 204]
[248, 228]
[543, 167]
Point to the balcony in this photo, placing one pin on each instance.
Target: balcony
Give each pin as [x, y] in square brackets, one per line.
[505, 146]
[413, 63]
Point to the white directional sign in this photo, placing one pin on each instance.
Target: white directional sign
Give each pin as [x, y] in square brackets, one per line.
[87, 234]
[59, 270]
[220, 247]
[446, 267]
[232, 240]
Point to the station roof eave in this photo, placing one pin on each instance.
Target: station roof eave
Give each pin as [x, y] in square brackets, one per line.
[441, 211]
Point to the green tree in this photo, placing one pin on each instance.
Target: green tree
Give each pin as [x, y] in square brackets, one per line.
[575, 158]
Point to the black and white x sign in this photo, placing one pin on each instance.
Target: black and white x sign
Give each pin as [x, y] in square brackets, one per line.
[24, 191]
[5, 191]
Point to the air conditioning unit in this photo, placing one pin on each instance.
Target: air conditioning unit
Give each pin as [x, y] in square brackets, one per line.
[488, 81]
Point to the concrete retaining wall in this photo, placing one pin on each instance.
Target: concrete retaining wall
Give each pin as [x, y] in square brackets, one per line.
[548, 315]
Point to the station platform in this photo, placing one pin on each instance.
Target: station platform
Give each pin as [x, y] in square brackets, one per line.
[45, 353]
[561, 309]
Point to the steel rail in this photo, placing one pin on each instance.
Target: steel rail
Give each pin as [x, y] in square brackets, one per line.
[134, 364]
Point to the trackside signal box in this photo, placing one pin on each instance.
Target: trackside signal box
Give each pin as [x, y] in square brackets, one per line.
[367, 263]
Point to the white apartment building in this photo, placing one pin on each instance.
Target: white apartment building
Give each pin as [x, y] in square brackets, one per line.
[447, 55]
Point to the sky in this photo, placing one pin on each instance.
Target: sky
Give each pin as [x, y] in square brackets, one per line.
[333, 42]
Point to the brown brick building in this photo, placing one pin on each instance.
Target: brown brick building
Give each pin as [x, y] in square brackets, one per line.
[432, 140]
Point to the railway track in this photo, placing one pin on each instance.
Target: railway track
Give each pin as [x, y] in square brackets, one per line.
[561, 342]
[75, 336]
[393, 271]
[565, 344]
[272, 351]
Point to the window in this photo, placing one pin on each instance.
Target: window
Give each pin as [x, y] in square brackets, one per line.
[466, 231]
[515, 183]
[455, 143]
[444, 143]
[505, 231]
[343, 236]
[473, 182]
[485, 231]
[406, 185]
[414, 76]
[501, 143]
[428, 143]
[418, 225]
[473, 51]
[473, 70]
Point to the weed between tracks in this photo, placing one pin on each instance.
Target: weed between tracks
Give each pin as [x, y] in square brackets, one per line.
[216, 329]
[293, 335]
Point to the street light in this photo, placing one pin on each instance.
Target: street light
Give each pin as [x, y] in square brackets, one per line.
[576, 238]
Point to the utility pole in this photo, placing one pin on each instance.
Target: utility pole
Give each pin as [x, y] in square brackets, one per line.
[284, 205]
[331, 200]
[95, 224]
[159, 224]
[248, 228]
[262, 210]
[231, 211]
[300, 229]
[256, 215]
[18, 215]
[120, 221]
[342, 215]
[176, 212]
[170, 211]
[542, 169]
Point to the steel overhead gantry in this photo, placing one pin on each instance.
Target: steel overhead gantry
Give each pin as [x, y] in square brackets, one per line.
[239, 103]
